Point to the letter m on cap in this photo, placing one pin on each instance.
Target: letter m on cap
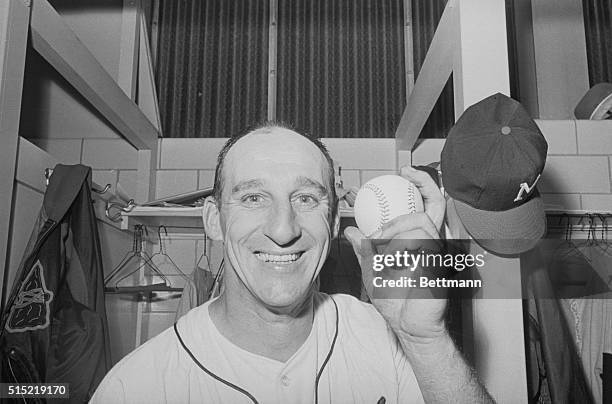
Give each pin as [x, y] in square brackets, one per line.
[524, 187]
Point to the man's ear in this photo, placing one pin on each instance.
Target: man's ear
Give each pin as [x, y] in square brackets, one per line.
[212, 219]
[336, 223]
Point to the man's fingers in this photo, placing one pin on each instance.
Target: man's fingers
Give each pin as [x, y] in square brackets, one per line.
[413, 242]
[433, 200]
[407, 223]
[354, 236]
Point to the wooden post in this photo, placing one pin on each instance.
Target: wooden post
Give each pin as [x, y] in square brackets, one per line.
[433, 75]
[408, 48]
[135, 78]
[14, 20]
[272, 52]
[480, 68]
[525, 56]
[147, 101]
[128, 51]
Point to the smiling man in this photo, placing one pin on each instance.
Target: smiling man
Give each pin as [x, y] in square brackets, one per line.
[271, 337]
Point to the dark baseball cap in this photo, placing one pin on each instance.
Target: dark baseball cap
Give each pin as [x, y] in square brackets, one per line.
[491, 162]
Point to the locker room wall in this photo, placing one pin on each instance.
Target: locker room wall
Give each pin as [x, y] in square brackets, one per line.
[61, 123]
[577, 175]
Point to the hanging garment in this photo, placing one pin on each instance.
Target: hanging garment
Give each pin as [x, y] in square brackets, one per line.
[554, 367]
[196, 291]
[54, 327]
[591, 321]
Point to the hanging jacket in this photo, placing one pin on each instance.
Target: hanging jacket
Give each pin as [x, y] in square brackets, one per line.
[54, 327]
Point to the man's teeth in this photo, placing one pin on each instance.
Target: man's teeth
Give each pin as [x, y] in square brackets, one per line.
[285, 258]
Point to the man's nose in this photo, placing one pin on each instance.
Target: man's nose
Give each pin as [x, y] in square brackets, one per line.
[282, 226]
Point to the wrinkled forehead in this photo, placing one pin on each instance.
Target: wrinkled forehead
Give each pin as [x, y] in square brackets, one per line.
[276, 151]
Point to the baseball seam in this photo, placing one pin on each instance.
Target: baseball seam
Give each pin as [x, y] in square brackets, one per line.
[383, 204]
[411, 199]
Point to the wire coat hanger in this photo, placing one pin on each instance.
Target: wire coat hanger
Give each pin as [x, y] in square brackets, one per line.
[144, 262]
[163, 253]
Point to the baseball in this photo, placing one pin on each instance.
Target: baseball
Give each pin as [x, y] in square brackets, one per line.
[384, 198]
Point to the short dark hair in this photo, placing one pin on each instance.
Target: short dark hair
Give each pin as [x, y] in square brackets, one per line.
[266, 127]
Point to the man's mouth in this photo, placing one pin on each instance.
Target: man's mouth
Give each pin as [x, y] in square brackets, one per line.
[278, 258]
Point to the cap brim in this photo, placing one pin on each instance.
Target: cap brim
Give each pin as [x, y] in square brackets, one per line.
[508, 232]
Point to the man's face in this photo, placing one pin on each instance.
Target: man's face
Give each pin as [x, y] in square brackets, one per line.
[275, 216]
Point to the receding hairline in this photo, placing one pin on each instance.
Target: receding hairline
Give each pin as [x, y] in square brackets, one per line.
[276, 131]
[270, 128]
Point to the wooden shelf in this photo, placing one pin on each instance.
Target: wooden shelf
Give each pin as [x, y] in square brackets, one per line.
[183, 219]
[177, 219]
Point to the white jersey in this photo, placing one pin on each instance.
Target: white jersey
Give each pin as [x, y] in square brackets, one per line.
[365, 364]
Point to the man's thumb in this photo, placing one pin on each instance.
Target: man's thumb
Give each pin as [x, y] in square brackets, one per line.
[364, 251]
[361, 244]
[355, 237]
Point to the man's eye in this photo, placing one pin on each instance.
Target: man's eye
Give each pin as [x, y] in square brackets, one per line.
[307, 201]
[252, 199]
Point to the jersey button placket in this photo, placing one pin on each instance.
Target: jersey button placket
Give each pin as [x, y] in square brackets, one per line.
[285, 381]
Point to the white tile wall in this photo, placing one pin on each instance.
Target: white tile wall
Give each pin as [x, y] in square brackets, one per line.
[367, 175]
[103, 177]
[129, 181]
[207, 179]
[190, 153]
[371, 154]
[171, 182]
[594, 137]
[561, 201]
[575, 174]
[66, 151]
[109, 153]
[560, 135]
[597, 203]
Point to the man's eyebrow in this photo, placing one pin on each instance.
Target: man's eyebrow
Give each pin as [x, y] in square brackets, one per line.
[308, 182]
[248, 184]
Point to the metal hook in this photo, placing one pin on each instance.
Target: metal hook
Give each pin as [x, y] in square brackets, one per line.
[591, 239]
[106, 188]
[134, 241]
[142, 233]
[604, 227]
[48, 173]
[113, 205]
[162, 247]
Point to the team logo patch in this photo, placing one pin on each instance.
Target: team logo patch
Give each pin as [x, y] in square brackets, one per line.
[31, 311]
[525, 188]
